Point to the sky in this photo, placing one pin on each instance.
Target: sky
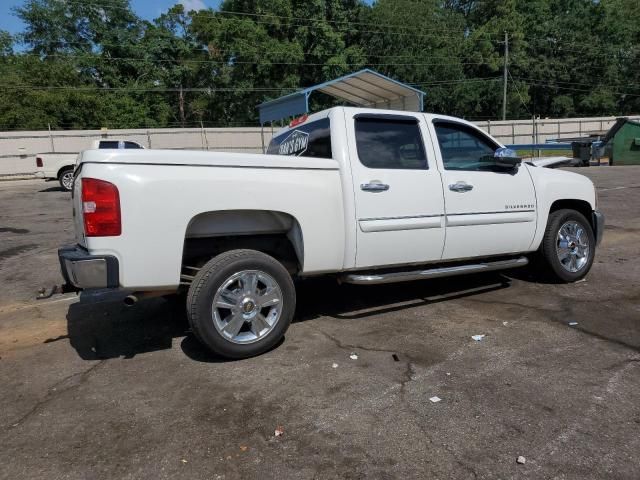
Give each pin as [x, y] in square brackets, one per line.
[148, 9]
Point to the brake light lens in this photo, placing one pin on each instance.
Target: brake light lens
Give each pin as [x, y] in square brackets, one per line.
[39, 162]
[298, 121]
[100, 208]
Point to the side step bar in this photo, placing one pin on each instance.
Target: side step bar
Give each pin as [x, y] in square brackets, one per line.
[377, 278]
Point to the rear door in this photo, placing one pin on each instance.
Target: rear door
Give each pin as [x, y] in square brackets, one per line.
[399, 201]
[489, 210]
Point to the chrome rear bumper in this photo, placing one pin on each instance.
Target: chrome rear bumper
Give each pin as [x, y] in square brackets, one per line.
[85, 271]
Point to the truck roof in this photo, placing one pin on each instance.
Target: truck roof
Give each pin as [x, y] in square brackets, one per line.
[328, 112]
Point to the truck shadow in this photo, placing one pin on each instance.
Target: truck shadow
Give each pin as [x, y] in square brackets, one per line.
[100, 326]
[324, 297]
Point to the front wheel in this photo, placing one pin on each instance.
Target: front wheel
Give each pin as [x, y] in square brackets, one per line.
[241, 303]
[66, 179]
[568, 246]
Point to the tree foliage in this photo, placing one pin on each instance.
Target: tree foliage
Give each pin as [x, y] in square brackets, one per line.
[86, 64]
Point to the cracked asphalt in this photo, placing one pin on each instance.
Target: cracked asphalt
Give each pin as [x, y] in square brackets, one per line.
[92, 389]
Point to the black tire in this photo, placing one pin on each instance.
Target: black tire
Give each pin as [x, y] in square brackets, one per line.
[212, 276]
[548, 252]
[63, 177]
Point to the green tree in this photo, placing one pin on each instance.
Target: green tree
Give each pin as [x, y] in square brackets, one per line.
[177, 61]
[6, 44]
[86, 64]
[78, 55]
[278, 47]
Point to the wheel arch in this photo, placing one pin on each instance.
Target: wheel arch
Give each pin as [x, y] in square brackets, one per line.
[581, 206]
[275, 233]
[62, 169]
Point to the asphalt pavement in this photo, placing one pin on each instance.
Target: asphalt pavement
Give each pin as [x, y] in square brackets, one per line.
[92, 389]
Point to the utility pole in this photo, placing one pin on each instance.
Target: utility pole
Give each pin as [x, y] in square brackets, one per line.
[504, 76]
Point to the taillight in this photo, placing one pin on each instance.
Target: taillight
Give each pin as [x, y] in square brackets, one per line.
[39, 162]
[100, 208]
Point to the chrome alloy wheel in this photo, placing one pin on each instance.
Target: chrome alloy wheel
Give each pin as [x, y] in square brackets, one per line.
[247, 306]
[67, 179]
[572, 246]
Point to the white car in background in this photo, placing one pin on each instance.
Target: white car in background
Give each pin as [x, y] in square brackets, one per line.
[60, 166]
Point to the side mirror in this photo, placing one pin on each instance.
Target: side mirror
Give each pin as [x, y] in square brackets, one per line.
[506, 158]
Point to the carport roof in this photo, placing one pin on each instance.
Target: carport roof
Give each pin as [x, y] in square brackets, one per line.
[365, 88]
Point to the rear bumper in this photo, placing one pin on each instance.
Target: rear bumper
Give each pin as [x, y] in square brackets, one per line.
[85, 271]
[598, 226]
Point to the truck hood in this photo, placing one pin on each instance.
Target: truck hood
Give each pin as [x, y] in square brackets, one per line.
[551, 162]
[560, 184]
[204, 159]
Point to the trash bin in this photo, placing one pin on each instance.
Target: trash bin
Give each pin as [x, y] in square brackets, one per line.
[582, 151]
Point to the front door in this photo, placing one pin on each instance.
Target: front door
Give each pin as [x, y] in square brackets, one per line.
[398, 190]
[489, 210]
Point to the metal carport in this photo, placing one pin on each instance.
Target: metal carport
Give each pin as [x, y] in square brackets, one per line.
[365, 88]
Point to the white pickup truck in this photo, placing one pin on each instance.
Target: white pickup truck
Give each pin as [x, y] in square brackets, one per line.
[367, 196]
[59, 166]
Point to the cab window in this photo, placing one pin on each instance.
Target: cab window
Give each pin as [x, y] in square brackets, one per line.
[464, 148]
[390, 142]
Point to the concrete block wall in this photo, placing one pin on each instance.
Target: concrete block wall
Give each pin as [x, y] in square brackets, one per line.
[18, 149]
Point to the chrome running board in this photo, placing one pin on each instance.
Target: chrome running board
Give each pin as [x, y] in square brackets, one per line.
[393, 277]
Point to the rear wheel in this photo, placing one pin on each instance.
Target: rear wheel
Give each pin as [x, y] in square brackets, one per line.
[568, 246]
[66, 179]
[241, 303]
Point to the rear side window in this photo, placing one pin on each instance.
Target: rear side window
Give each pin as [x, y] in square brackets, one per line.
[307, 140]
[390, 143]
[108, 144]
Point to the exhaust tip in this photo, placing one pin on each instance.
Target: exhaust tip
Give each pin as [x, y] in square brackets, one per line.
[130, 300]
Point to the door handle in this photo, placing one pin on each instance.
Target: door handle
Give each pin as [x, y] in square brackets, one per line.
[374, 187]
[460, 187]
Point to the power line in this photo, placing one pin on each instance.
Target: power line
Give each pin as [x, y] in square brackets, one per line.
[193, 125]
[97, 54]
[524, 104]
[214, 14]
[243, 62]
[214, 89]
[143, 89]
[452, 82]
[202, 48]
[560, 87]
[599, 85]
[582, 46]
